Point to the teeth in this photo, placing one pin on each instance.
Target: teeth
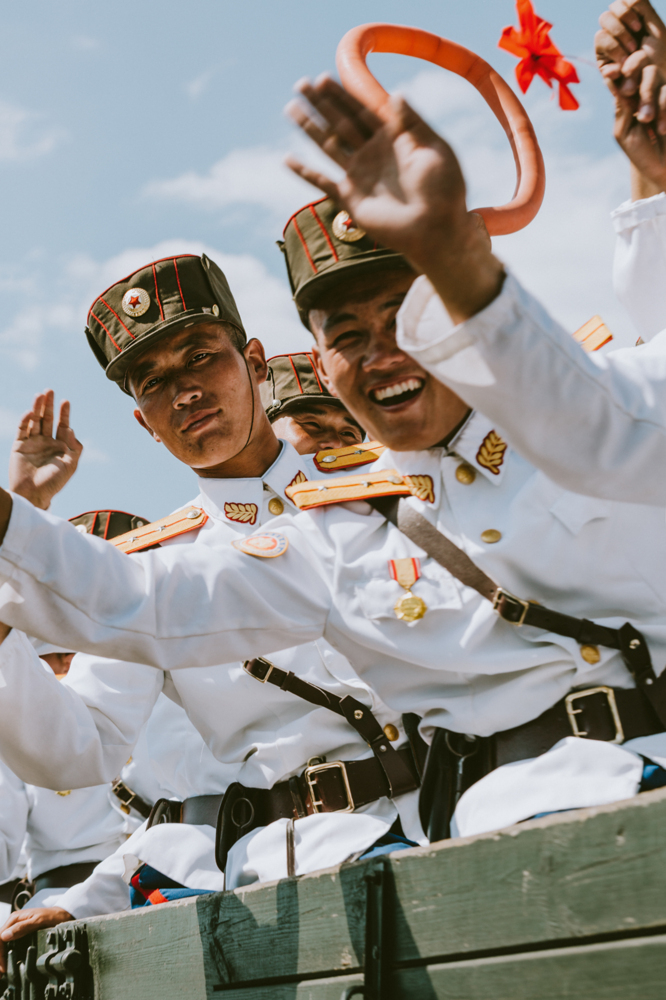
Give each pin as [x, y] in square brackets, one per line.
[409, 385]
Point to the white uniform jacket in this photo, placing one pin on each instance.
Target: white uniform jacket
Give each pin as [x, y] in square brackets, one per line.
[459, 667]
[595, 423]
[263, 734]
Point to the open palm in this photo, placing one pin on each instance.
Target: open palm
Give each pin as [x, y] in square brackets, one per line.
[401, 178]
[41, 463]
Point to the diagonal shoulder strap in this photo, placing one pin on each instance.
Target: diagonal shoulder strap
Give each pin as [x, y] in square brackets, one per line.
[516, 611]
[398, 774]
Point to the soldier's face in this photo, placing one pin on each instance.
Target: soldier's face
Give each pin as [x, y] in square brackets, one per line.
[317, 427]
[391, 396]
[194, 393]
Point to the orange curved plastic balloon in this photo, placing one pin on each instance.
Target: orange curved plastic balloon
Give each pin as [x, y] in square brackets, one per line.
[359, 81]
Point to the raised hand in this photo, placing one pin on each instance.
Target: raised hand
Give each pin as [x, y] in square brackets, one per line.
[41, 464]
[401, 179]
[404, 186]
[26, 922]
[631, 55]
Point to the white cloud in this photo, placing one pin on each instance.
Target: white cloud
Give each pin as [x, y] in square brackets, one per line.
[22, 136]
[254, 176]
[85, 43]
[264, 301]
[196, 87]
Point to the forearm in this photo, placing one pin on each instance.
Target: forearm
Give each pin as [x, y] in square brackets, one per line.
[642, 186]
[460, 266]
[172, 607]
[595, 425]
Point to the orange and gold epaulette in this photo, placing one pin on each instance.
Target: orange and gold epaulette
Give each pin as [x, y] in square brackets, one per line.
[388, 482]
[593, 334]
[168, 527]
[336, 459]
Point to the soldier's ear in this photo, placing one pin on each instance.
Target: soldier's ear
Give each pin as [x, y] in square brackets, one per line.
[138, 415]
[256, 359]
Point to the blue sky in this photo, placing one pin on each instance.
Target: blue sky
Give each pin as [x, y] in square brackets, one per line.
[131, 129]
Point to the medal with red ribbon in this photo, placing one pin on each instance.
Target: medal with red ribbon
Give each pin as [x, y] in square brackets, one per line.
[406, 572]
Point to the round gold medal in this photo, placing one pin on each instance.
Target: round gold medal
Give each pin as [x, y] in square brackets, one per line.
[409, 607]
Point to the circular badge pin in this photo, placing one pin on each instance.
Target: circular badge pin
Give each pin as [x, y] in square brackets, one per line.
[136, 302]
[268, 545]
[345, 229]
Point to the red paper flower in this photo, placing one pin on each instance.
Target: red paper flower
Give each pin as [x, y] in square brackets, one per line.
[538, 56]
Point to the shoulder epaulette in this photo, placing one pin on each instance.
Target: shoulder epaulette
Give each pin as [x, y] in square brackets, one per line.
[320, 492]
[593, 335]
[335, 459]
[168, 527]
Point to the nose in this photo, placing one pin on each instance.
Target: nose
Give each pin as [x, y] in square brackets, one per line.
[185, 395]
[382, 352]
[329, 438]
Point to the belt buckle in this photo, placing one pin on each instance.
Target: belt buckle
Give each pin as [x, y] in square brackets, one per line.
[612, 705]
[317, 804]
[262, 662]
[513, 602]
[124, 794]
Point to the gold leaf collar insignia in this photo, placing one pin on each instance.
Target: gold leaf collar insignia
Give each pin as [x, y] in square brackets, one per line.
[491, 453]
[245, 513]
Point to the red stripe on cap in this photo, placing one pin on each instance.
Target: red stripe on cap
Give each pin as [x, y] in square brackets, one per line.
[108, 332]
[296, 374]
[108, 524]
[182, 297]
[311, 360]
[132, 273]
[104, 302]
[305, 246]
[157, 293]
[298, 211]
[323, 229]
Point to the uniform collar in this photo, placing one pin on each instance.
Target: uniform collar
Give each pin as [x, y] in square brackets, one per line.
[481, 446]
[242, 501]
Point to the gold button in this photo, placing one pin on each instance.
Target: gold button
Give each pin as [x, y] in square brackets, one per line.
[391, 732]
[465, 474]
[490, 536]
[275, 505]
[590, 654]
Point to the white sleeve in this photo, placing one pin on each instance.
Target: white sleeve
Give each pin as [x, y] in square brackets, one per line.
[71, 734]
[104, 891]
[639, 266]
[14, 808]
[596, 425]
[172, 607]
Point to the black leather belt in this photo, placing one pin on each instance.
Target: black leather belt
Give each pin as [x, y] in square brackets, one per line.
[612, 715]
[129, 799]
[66, 876]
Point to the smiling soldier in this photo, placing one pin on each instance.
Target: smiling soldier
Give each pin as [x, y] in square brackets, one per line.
[519, 620]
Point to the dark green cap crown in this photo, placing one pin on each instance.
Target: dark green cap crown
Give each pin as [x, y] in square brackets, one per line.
[158, 299]
[322, 245]
[108, 523]
[293, 381]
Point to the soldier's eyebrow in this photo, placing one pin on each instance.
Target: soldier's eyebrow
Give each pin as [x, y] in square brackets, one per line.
[336, 318]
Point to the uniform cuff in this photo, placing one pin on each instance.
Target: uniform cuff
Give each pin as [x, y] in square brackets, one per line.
[17, 545]
[426, 332]
[631, 213]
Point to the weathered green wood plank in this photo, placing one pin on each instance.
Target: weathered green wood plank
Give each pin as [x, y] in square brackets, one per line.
[633, 969]
[593, 872]
[588, 873]
[316, 989]
[152, 953]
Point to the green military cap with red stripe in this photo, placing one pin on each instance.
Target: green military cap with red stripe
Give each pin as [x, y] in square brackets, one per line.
[107, 523]
[323, 246]
[155, 301]
[293, 382]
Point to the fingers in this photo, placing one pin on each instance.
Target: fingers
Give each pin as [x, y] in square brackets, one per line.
[47, 416]
[313, 177]
[351, 128]
[322, 136]
[627, 12]
[333, 118]
[621, 34]
[661, 113]
[650, 85]
[610, 54]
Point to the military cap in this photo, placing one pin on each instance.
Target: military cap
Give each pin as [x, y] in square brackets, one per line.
[293, 381]
[322, 245]
[156, 300]
[107, 523]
